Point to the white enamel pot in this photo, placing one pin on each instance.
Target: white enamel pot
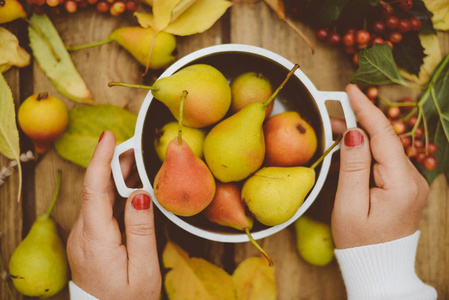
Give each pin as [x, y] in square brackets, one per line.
[233, 59]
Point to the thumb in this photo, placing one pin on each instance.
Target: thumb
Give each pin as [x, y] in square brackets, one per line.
[355, 165]
[140, 236]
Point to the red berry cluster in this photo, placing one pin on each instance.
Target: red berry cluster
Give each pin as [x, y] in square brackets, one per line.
[389, 29]
[56, 7]
[404, 120]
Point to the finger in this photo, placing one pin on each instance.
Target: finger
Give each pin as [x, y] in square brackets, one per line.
[96, 207]
[386, 147]
[338, 125]
[140, 234]
[353, 182]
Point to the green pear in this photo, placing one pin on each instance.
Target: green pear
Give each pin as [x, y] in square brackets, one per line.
[209, 94]
[235, 147]
[184, 184]
[250, 87]
[38, 267]
[194, 137]
[274, 194]
[140, 42]
[314, 241]
[289, 140]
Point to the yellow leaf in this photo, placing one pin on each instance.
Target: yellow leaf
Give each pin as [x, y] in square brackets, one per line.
[277, 6]
[254, 280]
[440, 10]
[181, 8]
[145, 20]
[432, 50]
[194, 278]
[11, 54]
[162, 10]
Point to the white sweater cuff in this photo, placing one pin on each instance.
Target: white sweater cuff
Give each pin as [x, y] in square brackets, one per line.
[383, 271]
[76, 293]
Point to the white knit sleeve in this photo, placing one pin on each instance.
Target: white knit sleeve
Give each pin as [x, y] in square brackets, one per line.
[383, 271]
[76, 293]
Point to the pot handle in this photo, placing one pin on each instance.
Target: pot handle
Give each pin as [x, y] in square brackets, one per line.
[343, 98]
[122, 188]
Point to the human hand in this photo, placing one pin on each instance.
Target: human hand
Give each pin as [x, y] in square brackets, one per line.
[393, 207]
[101, 265]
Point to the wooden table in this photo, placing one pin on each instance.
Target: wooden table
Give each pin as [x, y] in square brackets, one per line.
[328, 68]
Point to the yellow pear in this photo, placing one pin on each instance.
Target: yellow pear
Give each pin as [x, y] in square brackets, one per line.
[11, 10]
[314, 241]
[38, 267]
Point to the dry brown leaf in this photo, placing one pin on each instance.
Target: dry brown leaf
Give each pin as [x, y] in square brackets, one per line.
[11, 54]
[194, 278]
[255, 280]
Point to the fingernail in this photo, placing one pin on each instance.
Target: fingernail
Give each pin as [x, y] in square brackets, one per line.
[353, 138]
[101, 137]
[141, 202]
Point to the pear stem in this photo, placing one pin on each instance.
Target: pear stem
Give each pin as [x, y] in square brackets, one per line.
[181, 109]
[319, 160]
[44, 37]
[89, 45]
[55, 195]
[253, 241]
[137, 86]
[295, 67]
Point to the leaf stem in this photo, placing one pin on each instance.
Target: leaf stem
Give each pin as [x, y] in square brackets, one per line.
[44, 37]
[89, 45]
[55, 195]
[290, 73]
[181, 110]
[253, 241]
[319, 160]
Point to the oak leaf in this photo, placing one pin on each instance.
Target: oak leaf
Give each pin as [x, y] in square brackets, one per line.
[194, 278]
[11, 54]
[255, 280]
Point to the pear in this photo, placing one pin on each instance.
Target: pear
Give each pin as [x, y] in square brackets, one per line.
[251, 87]
[194, 137]
[235, 147]
[228, 209]
[183, 185]
[43, 119]
[38, 266]
[11, 10]
[139, 43]
[289, 140]
[274, 194]
[209, 94]
[314, 241]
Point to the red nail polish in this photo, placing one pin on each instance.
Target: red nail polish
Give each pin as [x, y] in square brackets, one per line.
[353, 138]
[141, 201]
[101, 137]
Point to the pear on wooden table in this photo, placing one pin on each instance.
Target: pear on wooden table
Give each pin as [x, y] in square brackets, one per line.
[274, 194]
[228, 209]
[209, 94]
[183, 185]
[235, 147]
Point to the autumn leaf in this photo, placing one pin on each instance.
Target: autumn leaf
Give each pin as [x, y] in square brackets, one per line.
[11, 54]
[9, 135]
[196, 18]
[431, 60]
[162, 10]
[194, 278]
[62, 73]
[86, 124]
[440, 10]
[255, 280]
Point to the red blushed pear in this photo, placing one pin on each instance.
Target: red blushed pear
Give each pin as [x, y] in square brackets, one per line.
[183, 185]
[289, 140]
[228, 209]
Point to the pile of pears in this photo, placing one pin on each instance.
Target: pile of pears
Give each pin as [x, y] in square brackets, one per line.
[226, 158]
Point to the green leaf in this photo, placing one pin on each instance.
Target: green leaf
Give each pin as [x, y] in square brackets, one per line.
[9, 135]
[255, 280]
[194, 278]
[377, 67]
[63, 73]
[409, 53]
[86, 123]
[434, 102]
